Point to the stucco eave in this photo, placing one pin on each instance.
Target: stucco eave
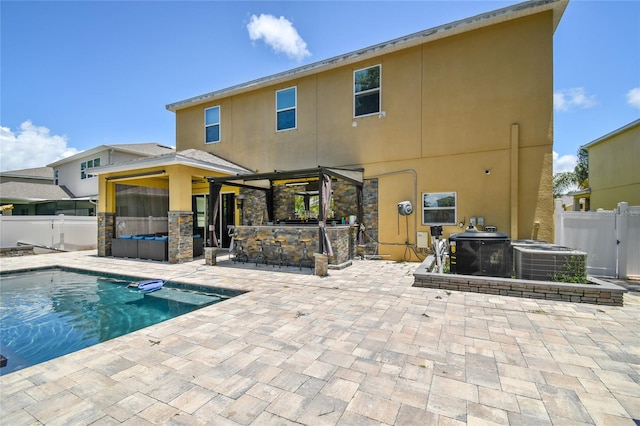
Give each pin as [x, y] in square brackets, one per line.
[479, 21]
[165, 161]
[610, 135]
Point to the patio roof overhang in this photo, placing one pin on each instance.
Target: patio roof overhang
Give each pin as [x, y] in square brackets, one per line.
[264, 181]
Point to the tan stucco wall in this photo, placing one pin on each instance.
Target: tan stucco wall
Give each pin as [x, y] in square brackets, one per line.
[614, 175]
[449, 107]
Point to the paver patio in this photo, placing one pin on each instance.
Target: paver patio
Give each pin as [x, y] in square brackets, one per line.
[361, 346]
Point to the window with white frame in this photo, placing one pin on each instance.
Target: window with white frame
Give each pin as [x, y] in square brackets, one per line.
[212, 124]
[84, 174]
[439, 208]
[56, 177]
[286, 109]
[366, 91]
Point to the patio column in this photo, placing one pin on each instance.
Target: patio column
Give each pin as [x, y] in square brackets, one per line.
[106, 215]
[180, 217]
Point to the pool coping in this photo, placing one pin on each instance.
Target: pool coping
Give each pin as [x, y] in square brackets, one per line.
[171, 281]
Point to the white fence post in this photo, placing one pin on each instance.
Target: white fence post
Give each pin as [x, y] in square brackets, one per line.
[622, 241]
[61, 217]
[558, 226]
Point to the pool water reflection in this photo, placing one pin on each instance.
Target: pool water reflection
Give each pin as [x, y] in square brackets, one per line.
[49, 313]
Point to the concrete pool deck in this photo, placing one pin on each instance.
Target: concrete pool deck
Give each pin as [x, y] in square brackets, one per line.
[361, 346]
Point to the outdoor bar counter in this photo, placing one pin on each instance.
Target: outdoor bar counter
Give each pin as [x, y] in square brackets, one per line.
[293, 244]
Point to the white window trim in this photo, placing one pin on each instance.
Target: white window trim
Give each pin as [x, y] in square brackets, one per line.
[214, 124]
[84, 174]
[455, 208]
[379, 89]
[295, 108]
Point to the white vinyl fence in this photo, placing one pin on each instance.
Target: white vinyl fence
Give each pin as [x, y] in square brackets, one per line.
[611, 238]
[62, 232]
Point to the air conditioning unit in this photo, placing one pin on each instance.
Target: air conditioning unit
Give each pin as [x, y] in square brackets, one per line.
[540, 261]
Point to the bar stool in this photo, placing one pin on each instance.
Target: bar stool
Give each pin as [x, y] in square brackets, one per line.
[304, 258]
[238, 249]
[260, 256]
[277, 241]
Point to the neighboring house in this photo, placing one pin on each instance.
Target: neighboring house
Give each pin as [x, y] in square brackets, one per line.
[68, 187]
[74, 172]
[456, 119]
[27, 191]
[614, 175]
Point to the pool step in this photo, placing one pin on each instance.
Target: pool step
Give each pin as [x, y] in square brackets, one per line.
[186, 297]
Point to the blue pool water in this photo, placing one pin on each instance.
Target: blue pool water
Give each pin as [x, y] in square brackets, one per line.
[50, 313]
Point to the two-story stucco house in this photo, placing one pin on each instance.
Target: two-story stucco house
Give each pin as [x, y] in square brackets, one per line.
[457, 120]
[614, 175]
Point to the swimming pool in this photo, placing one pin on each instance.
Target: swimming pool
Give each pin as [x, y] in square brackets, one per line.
[49, 313]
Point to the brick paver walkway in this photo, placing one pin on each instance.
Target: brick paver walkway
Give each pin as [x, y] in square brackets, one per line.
[358, 347]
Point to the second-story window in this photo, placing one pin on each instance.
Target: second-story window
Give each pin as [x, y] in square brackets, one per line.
[286, 109]
[366, 90]
[212, 124]
[84, 174]
[56, 177]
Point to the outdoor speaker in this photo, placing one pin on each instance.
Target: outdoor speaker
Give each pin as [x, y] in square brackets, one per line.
[405, 208]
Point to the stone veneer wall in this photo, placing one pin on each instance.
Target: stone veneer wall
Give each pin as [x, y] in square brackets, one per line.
[599, 293]
[292, 248]
[255, 207]
[340, 244]
[344, 204]
[370, 205]
[180, 237]
[106, 233]
[284, 201]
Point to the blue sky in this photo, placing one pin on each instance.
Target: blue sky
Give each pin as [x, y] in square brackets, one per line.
[79, 74]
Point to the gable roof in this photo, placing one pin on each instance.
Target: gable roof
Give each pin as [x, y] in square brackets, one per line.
[33, 173]
[458, 27]
[188, 157]
[31, 191]
[139, 149]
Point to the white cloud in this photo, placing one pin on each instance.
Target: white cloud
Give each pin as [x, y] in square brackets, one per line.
[280, 34]
[633, 97]
[31, 146]
[567, 99]
[565, 163]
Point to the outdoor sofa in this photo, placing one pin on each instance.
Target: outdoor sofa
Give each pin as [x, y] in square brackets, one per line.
[149, 246]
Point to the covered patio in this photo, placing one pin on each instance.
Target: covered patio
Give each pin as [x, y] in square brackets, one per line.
[286, 216]
[184, 175]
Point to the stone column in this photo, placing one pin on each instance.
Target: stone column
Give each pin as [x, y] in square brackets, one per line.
[210, 256]
[180, 237]
[106, 233]
[321, 265]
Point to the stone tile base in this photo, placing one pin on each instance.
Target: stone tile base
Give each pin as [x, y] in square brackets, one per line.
[106, 233]
[180, 237]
